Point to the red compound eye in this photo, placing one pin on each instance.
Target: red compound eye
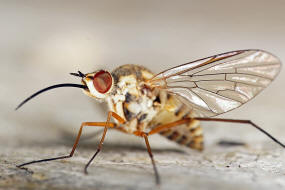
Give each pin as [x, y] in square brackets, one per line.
[102, 81]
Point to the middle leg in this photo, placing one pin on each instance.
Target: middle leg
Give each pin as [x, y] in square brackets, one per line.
[120, 120]
[157, 130]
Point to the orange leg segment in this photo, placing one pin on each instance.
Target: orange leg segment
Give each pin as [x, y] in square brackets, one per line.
[163, 127]
[186, 120]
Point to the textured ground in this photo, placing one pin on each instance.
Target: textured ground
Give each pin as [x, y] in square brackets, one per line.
[125, 166]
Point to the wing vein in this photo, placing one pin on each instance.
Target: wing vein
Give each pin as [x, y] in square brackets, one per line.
[249, 74]
[246, 84]
[220, 94]
[216, 65]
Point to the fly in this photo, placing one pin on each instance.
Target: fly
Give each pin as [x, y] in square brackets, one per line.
[173, 102]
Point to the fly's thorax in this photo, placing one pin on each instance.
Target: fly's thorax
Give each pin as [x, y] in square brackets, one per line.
[132, 99]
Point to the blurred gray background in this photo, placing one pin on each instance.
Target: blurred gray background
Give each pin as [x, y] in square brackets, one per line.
[41, 42]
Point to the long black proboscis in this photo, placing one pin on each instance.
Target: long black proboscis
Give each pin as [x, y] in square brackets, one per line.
[49, 88]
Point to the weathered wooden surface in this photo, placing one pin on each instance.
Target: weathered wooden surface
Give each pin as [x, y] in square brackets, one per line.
[128, 167]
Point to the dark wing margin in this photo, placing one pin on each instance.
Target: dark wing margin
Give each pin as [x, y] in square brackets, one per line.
[219, 83]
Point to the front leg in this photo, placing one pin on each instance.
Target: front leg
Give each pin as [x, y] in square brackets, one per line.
[91, 124]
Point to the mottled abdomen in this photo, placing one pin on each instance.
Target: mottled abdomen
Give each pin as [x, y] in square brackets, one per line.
[190, 134]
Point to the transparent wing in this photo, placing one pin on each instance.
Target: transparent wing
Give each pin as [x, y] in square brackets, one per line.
[220, 83]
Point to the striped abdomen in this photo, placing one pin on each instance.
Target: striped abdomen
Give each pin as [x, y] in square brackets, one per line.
[190, 134]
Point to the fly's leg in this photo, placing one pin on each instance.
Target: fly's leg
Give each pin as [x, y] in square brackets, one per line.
[110, 114]
[93, 124]
[187, 120]
[183, 121]
[98, 150]
[164, 127]
[157, 178]
[145, 136]
[157, 130]
[243, 122]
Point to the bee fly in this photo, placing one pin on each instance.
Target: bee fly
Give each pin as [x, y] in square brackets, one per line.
[173, 102]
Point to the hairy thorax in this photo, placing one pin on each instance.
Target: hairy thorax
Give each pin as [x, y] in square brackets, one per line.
[132, 99]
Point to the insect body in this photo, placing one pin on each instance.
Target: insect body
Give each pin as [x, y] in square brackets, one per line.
[174, 101]
[144, 108]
